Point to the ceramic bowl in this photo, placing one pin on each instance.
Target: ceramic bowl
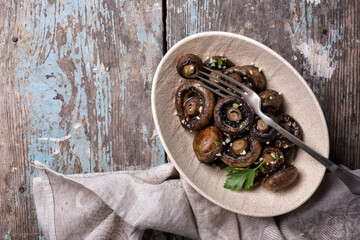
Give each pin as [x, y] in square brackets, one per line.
[299, 102]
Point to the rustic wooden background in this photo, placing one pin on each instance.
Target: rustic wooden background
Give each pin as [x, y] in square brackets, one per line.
[76, 78]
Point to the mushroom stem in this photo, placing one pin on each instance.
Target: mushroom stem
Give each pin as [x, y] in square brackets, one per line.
[192, 106]
[239, 146]
[262, 127]
[234, 114]
[189, 69]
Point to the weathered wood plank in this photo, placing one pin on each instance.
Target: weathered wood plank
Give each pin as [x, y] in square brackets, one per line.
[319, 38]
[75, 94]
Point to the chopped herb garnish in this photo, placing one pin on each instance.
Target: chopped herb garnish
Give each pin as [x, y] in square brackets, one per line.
[217, 143]
[240, 178]
[212, 60]
[263, 169]
[219, 61]
[223, 122]
[193, 90]
[200, 147]
[242, 124]
[277, 158]
[235, 105]
[186, 71]
[267, 97]
[272, 184]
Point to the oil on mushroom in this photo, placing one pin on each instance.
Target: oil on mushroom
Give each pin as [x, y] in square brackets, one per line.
[194, 105]
[251, 76]
[273, 159]
[261, 131]
[207, 144]
[292, 126]
[233, 115]
[280, 179]
[241, 152]
[218, 63]
[271, 101]
[188, 66]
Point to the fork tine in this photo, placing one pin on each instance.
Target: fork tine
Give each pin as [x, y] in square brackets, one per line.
[245, 88]
[213, 90]
[243, 94]
[216, 85]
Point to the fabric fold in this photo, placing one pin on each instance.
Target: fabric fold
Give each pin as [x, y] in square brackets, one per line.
[121, 205]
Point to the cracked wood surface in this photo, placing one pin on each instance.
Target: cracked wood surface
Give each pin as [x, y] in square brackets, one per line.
[75, 86]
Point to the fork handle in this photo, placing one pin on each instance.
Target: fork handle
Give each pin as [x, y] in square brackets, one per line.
[350, 180]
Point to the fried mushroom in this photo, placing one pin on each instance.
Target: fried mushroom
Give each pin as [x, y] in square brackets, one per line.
[251, 76]
[218, 63]
[280, 179]
[292, 126]
[241, 152]
[273, 159]
[271, 101]
[188, 66]
[261, 131]
[194, 105]
[207, 144]
[233, 115]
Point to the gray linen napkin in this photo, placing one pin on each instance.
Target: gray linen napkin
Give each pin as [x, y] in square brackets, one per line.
[121, 205]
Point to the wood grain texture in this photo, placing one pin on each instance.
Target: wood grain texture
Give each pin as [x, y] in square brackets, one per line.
[75, 94]
[320, 40]
[75, 87]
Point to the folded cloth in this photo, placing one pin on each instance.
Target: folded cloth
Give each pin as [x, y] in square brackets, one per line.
[121, 205]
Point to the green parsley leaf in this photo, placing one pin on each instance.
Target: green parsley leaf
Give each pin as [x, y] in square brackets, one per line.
[217, 143]
[277, 158]
[267, 97]
[223, 122]
[200, 147]
[242, 124]
[240, 178]
[193, 90]
[272, 184]
[186, 71]
[263, 169]
[212, 60]
[220, 62]
[235, 105]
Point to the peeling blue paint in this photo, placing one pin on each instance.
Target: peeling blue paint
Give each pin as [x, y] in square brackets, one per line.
[51, 35]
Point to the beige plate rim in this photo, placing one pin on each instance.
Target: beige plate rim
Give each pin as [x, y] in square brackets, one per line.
[265, 48]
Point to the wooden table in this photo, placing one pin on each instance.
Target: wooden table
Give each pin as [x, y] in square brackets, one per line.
[76, 80]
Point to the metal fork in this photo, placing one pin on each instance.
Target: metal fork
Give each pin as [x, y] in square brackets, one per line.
[350, 180]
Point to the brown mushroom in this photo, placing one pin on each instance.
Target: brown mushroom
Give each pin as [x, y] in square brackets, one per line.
[270, 101]
[216, 76]
[280, 179]
[261, 131]
[292, 126]
[188, 66]
[207, 144]
[249, 75]
[218, 62]
[241, 152]
[194, 105]
[233, 115]
[289, 154]
[273, 159]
